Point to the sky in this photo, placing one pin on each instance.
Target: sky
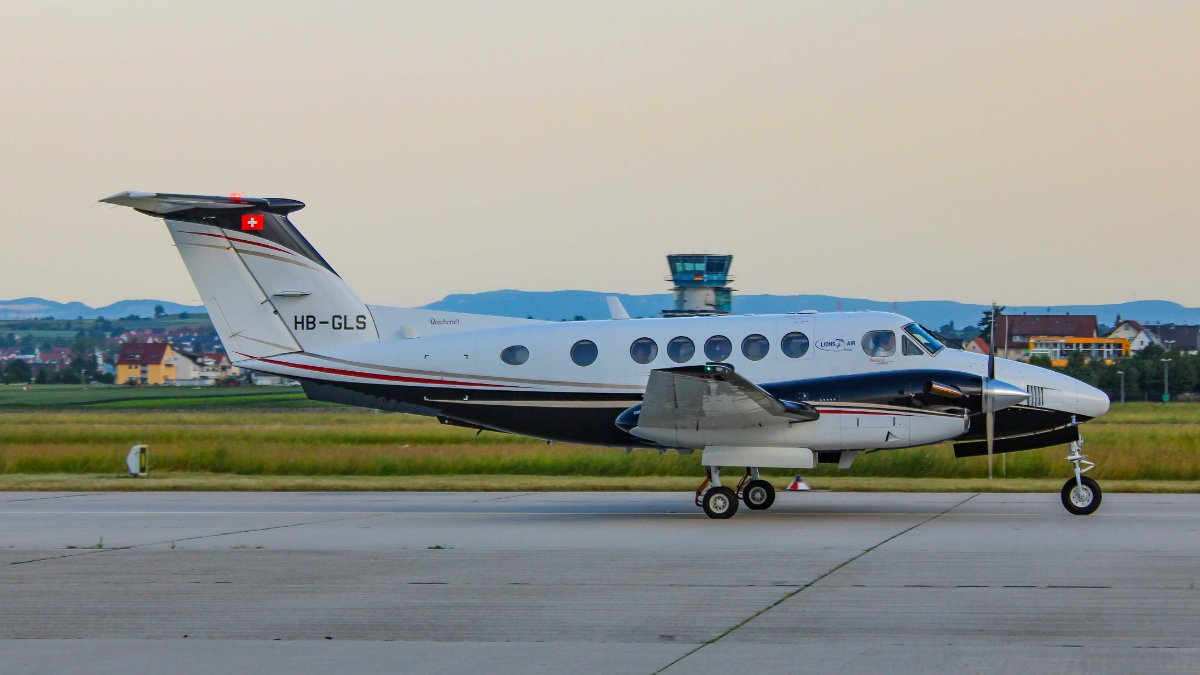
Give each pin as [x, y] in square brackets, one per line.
[1021, 152]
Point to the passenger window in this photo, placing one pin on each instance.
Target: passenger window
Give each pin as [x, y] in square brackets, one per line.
[584, 353]
[794, 345]
[515, 355]
[879, 343]
[643, 350]
[911, 348]
[755, 347]
[718, 348]
[681, 349]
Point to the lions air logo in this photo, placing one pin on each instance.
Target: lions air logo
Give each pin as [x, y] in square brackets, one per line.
[836, 345]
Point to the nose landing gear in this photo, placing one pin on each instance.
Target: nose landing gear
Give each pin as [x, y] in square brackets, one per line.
[1081, 495]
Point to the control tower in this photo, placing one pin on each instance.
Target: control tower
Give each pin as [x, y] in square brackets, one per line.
[700, 284]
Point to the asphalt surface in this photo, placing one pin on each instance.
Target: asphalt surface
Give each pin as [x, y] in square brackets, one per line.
[595, 582]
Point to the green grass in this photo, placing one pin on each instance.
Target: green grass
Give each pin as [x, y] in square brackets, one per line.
[246, 438]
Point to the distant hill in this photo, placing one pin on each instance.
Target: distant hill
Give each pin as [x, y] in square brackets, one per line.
[566, 305]
[36, 308]
[560, 305]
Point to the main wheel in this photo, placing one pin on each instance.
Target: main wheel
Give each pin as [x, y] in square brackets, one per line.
[1081, 500]
[720, 502]
[758, 495]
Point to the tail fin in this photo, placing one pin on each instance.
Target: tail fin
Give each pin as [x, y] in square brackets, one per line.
[266, 288]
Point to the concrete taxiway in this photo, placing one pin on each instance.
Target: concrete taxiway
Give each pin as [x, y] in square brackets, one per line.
[595, 582]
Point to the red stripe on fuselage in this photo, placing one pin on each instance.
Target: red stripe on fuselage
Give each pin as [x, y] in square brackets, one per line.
[375, 376]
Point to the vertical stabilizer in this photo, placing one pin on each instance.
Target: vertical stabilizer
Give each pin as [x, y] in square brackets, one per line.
[266, 288]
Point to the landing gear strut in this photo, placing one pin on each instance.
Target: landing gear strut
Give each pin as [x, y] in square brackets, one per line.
[1081, 495]
[717, 500]
[757, 493]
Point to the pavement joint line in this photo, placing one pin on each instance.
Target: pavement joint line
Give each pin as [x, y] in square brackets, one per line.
[35, 499]
[804, 587]
[496, 499]
[131, 547]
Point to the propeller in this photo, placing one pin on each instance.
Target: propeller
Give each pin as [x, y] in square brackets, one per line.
[988, 401]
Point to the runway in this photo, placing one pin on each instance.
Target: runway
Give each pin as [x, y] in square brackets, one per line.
[595, 582]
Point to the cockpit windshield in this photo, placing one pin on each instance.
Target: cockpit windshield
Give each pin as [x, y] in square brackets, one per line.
[927, 341]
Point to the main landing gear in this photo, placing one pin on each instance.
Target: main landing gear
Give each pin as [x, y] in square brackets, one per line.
[720, 502]
[1081, 495]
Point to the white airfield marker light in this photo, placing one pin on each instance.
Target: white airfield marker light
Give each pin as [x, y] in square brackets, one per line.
[137, 461]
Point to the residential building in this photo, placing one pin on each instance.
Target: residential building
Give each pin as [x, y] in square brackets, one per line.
[55, 356]
[1138, 335]
[1060, 349]
[1014, 331]
[976, 345]
[202, 369]
[1179, 338]
[145, 363]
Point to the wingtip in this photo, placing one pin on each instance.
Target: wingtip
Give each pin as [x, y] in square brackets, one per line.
[121, 197]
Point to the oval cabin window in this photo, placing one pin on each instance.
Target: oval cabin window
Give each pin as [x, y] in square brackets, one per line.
[515, 355]
[755, 347]
[794, 345]
[718, 348]
[643, 350]
[879, 343]
[584, 353]
[681, 349]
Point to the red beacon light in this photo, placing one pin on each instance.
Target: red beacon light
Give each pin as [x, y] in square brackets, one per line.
[236, 196]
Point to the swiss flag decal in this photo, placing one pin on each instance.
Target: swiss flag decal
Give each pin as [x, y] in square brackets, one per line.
[252, 221]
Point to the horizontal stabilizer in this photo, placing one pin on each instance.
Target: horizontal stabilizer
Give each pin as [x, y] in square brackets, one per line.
[166, 204]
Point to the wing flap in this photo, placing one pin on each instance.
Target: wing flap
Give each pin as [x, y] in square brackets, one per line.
[713, 397]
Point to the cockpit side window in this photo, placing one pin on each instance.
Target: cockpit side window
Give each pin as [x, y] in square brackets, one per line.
[923, 337]
[911, 348]
[879, 343]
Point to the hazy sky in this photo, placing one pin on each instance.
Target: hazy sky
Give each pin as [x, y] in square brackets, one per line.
[1026, 152]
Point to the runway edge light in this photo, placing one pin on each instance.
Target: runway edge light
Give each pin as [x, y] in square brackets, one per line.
[136, 461]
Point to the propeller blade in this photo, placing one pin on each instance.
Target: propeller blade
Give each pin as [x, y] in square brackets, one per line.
[991, 437]
[989, 406]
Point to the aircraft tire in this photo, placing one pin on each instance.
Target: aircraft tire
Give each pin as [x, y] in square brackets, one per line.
[1081, 500]
[758, 495]
[720, 503]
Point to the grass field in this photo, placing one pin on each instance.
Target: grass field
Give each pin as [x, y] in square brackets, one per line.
[67, 437]
[277, 440]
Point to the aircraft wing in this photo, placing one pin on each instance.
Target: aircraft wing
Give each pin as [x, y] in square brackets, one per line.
[713, 397]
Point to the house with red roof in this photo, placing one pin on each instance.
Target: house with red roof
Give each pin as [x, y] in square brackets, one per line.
[145, 363]
[1014, 331]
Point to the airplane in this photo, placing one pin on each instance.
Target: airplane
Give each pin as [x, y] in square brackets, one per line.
[749, 392]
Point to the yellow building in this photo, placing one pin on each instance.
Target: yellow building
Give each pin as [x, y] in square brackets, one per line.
[145, 363]
[1059, 349]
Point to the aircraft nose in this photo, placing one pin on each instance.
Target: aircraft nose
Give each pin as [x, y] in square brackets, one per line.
[1090, 401]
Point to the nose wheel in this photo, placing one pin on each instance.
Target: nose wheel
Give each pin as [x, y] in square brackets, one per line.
[1081, 495]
